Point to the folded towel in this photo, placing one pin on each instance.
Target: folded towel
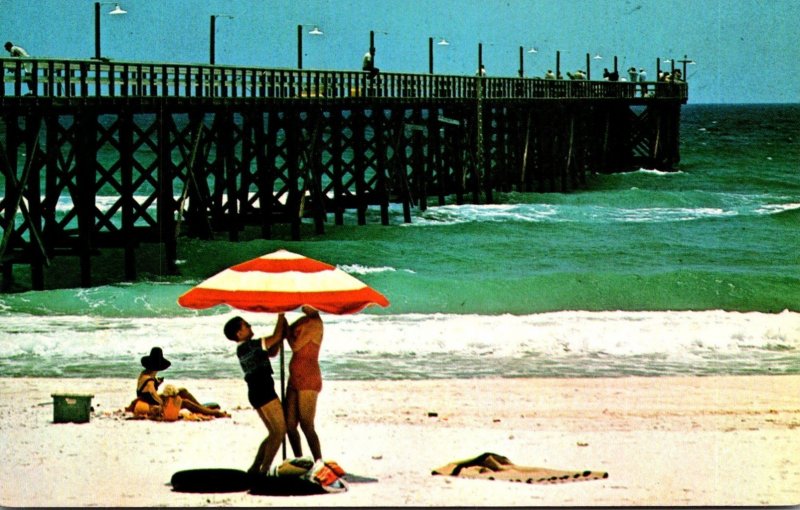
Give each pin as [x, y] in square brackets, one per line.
[491, 466]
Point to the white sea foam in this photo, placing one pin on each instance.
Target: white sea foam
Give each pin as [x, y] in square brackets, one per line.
[359, 269]
[653, 171]
[730, 204]
[579, 343]
[539, 213]
[468, 213]
[777, 208]
[664, 214]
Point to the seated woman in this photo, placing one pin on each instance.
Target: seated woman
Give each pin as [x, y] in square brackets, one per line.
[149, 402]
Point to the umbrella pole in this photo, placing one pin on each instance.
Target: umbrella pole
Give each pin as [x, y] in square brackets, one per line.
[283, 399]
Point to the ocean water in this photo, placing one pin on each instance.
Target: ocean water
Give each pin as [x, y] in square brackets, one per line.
[650, 273]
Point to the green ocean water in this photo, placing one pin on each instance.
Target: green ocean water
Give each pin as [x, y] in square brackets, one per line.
[717, 236]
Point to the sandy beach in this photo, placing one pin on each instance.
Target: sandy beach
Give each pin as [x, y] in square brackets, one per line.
[664, 441]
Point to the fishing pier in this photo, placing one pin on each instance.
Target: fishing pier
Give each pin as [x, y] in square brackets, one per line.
[99, 154]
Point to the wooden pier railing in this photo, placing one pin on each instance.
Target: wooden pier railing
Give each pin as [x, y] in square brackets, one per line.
[95, 78]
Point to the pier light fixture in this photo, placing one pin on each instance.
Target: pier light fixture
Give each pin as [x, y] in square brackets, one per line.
[532, 51]
[442, 42]
[212, 42]
[314, 31]
[684, 61]
[589, 66]
[116, 11]
[666, 61]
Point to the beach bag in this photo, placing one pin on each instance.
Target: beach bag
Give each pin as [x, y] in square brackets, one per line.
[327, 476]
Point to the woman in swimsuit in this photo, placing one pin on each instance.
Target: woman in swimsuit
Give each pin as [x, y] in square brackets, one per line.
[148, 382]
[305, 381]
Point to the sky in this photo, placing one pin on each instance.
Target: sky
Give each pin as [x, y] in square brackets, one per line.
[745, 51]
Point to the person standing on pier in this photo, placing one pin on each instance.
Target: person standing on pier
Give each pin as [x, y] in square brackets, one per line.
[633, 75]
[610, 75]
[643, 80]
[19, 52]
[368, 64]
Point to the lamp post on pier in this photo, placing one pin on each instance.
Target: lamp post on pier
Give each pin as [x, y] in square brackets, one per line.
[368, 63]
[481, 66]
[558, 64]
[114, 12]
[372, 46]
[313, 31]
[212, 46]
[531, 51]
[686, 60]
[442, 42]
[597, 56]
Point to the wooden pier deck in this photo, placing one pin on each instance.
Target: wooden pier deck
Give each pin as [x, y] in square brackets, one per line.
[97, 154]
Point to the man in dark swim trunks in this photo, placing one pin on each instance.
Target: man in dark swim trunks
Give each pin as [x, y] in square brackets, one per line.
[254, 357]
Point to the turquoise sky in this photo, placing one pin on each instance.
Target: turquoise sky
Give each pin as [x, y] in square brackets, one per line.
[746, 50]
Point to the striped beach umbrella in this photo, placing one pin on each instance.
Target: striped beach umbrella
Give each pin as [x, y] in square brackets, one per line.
[280, 282]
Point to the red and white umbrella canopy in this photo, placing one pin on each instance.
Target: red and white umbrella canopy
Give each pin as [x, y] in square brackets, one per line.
[280, 282]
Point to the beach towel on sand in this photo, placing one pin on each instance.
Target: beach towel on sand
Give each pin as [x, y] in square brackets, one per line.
[491, 466]
[141, 410]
